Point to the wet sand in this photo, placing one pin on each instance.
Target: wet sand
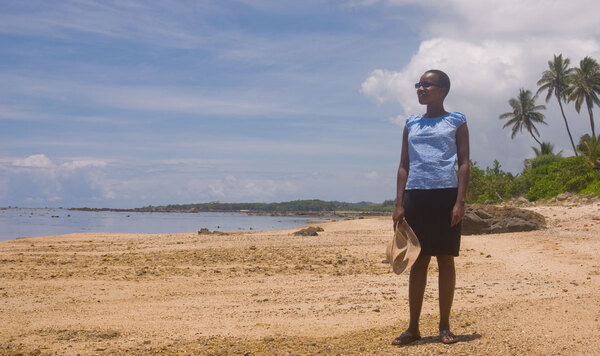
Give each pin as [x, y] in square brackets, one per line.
[257, 293]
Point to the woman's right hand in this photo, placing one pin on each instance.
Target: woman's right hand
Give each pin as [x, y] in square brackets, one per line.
[398, 215]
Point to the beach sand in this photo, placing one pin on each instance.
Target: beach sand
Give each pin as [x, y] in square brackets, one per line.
[273, 293]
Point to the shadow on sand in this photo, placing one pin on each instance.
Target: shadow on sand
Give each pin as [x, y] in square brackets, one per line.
[436, 339]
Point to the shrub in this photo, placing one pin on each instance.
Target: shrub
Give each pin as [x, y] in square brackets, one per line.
[548, 177]
[545, 176]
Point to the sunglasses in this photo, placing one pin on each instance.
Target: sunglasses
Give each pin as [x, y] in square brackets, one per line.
[425, 85]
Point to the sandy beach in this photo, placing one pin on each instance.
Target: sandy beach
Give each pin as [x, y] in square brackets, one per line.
[273, 293]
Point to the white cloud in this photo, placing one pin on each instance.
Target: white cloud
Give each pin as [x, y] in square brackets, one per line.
[488, 58]
[372, 175]
[37, 181]
[36, 161]
[4, 185]
[359, 3]
[383, 85]
[476, 19]
[72, 165]
[512, 19]
[245, 189]
[122, 183]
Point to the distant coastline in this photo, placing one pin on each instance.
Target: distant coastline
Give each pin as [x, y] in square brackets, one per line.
[292, 208]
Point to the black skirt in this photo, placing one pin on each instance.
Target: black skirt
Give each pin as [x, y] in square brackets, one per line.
[428, 212]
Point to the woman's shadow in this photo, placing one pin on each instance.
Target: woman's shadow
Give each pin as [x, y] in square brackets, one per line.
[436, 339]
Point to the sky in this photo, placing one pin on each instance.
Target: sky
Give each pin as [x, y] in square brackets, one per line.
[128, 103]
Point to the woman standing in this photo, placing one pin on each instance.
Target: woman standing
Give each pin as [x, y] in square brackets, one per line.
[431, 196]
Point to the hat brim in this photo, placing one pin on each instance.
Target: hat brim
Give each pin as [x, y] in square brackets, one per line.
[404, 248]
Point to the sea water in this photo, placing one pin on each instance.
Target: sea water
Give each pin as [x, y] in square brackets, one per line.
[20, 222]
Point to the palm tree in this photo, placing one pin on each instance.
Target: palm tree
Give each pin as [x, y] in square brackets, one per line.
[554, 80]
[590, 149]
[525, 114]
[546, 148]
[584, 84]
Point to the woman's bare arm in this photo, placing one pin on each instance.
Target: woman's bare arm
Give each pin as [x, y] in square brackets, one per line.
[462, 147]
[401, 179]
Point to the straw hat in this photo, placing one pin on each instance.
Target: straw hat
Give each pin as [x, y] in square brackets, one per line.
[404, 248]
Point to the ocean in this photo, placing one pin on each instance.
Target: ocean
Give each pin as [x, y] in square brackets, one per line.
[22, 222]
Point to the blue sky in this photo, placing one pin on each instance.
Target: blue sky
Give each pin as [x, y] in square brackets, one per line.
[133, 103]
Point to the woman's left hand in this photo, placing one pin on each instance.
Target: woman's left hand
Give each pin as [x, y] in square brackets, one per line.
[458, 211]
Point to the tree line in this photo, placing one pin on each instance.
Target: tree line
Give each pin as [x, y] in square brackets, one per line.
[296, 206]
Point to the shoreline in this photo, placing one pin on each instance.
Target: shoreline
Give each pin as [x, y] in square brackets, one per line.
[265, 292]
[22, 222]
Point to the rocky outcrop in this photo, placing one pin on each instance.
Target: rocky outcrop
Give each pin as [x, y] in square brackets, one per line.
[309, 231]
[489, 219]
[205, 231]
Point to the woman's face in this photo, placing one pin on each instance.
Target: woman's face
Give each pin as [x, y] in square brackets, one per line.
[430, 92]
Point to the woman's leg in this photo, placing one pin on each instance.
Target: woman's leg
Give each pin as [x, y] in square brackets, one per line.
[447, 282]
[416, 290]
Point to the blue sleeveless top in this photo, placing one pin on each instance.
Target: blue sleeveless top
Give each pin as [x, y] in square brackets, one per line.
[432, 151]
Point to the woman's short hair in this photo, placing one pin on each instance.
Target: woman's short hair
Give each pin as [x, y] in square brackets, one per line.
[443, 77]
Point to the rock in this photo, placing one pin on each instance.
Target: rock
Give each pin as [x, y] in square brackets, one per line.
[513, 225]
[472, 224]
[309, 231]
[205, 231]
[486, 219]
[522, 200]
[563, 196]
[482, 214]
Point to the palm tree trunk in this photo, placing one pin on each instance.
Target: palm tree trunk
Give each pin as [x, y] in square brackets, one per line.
[567, 126]
[536, 140]
[589, 107]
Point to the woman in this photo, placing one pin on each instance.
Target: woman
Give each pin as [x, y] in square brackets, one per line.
[431, 196]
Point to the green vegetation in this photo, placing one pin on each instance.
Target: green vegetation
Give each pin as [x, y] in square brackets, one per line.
[590, 148]
[544, 176]
[296, 206]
